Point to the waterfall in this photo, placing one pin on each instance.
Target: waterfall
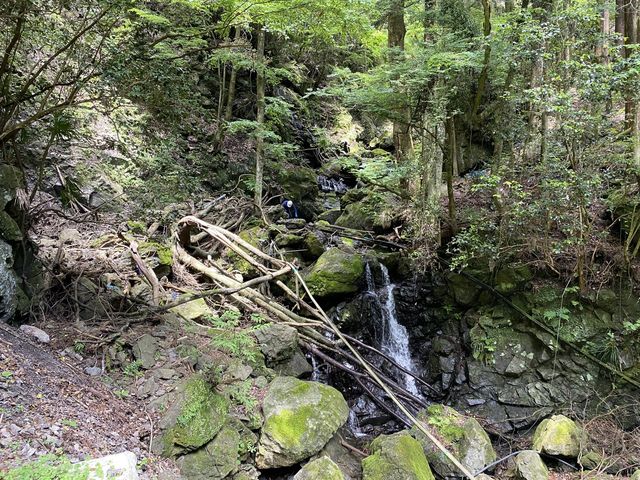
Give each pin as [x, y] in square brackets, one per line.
[328, 184]
[394, 340]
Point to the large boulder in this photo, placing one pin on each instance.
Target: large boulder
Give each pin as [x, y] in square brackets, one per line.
[221, 456]
[529, 466]
[396, 457]
[321, 469]
[300, 418]
[194, 417]
[559, 435]
[336, 273]
[464, 437]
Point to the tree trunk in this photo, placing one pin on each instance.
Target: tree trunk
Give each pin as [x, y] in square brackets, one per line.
[450, 132]
[619, 25]
[228, 114]
[602, 49]
[484, 74]
[631, 37]
[260, 81]
[402, 141]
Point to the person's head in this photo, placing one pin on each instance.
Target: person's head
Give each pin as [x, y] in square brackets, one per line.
[289, 204]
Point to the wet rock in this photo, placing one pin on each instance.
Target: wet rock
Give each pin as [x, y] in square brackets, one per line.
[335, 273]
[396, 457]
[321, 469]
[277, 341]
[144, 350]
[559, 435]
[300, 418]
[193, 418]
[529, 466]
[35, 332]
[463, 435]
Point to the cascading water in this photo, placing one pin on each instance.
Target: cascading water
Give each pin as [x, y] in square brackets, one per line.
[394, 340]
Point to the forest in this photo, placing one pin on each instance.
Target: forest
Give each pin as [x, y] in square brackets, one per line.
[319, 239]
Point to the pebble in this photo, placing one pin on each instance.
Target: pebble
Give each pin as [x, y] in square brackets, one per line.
[93, 371]
[14, 429]
[35, 332]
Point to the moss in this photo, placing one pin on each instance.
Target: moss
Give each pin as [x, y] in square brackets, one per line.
[136, 227]
[446, 421]
[314, 245]
[558, 435]
[163, 252]
[9, 229]
[321, 469]
[254, 236]
[396, 457]
[335, 273]
[289, 426]
[201, 416]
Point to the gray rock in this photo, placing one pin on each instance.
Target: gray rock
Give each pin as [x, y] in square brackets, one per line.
[93, 371]
[69, 235]
[36, 333]
[145, 350]
[296, 366]
[165, 373]
[529, 466]
[121, 466]
[8, 283]
[277, 342]
[236, 372]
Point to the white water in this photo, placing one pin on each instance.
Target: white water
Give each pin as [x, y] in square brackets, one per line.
[395, 339]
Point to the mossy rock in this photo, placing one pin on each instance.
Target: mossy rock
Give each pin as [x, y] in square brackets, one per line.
[10, 180]
[335, 273]
[300, 418]
[221, 456]
[321, 469]
[559, 435]
[255, 236]
[288, 240]
[330, 216]
[192, 310]
[463, 435]
[162, 252]
[194, 418]
[299, 184]
[313, 245]
[511, 279]
[357, 217]
[396, 457]
[9, 229]
[463, 290]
